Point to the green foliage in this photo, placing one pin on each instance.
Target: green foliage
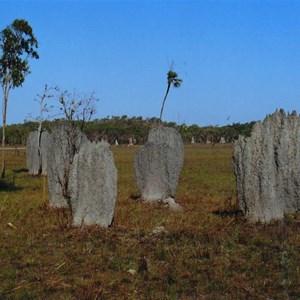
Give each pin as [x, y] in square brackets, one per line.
[172, 80]
[17, 44]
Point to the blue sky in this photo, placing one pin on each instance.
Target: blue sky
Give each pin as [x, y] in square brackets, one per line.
[239, 60]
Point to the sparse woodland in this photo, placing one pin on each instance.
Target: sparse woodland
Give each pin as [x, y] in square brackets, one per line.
[123, 128]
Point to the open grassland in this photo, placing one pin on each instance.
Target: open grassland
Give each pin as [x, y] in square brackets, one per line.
[207, 251]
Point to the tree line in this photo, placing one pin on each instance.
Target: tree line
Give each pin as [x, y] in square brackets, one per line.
[125, 129]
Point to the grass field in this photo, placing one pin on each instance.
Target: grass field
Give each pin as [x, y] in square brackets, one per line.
[206, 251]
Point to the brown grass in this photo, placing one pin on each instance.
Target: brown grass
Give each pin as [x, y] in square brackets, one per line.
[207, 251]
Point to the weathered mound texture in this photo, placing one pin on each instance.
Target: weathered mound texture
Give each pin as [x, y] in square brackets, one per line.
[44, 151]
[267, 168]
[32, 154]
[158, 164]
[93, 185]
[37, 155]
[63, 143]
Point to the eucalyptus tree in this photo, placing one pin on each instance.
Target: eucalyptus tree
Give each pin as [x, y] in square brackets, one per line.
[173, 79]
[17, 45]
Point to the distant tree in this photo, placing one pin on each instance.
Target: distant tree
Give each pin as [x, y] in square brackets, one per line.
[172, 80]
[17, 44]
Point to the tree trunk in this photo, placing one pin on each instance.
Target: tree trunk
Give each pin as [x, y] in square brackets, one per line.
[4, 110]
[39, 146]
[163, 104]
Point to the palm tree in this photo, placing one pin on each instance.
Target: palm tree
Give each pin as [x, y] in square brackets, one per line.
[172, 80]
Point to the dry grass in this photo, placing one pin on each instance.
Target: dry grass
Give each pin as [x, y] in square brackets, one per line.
[207, 252]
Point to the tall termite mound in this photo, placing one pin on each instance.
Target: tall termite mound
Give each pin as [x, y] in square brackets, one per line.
[267, 168]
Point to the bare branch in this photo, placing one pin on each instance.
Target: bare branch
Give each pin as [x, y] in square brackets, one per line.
[76, 108]
[44, 107]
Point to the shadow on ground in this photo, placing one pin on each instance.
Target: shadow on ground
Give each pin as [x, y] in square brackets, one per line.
[8, 183]
[8, 186]
[228, 213]
[22, 170]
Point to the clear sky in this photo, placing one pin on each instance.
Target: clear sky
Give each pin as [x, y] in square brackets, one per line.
[239, 60]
